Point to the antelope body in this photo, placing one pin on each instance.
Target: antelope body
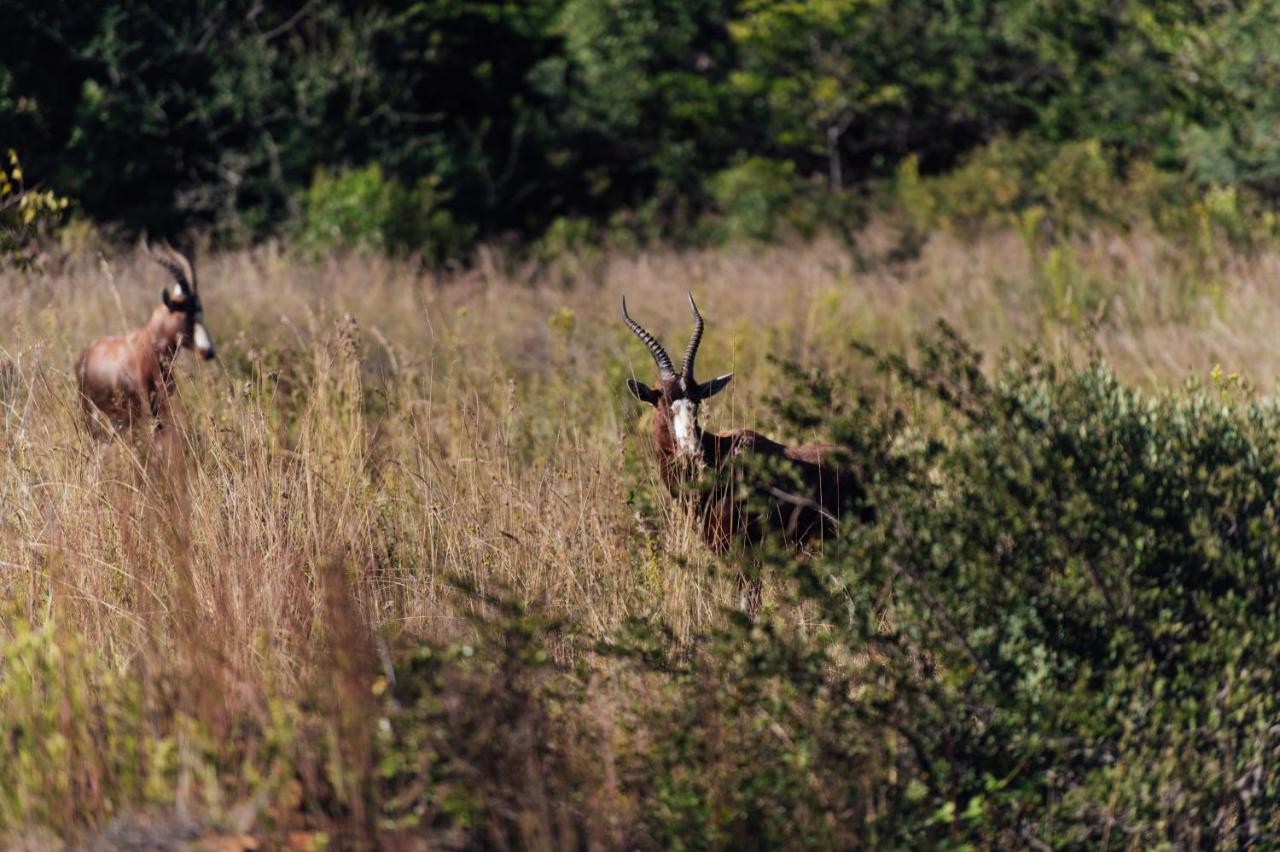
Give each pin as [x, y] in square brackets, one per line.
[746, 487]
[126, 381]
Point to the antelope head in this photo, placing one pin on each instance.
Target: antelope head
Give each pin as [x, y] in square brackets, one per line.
[183, 317]
[676, 397]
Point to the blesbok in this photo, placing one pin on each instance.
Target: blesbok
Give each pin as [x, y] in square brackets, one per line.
[126, 380]
[745, 487]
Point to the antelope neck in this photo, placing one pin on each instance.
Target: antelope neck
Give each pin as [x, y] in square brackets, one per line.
[163, 341]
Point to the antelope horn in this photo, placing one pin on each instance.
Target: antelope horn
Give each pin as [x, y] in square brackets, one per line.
[686, 371]
[176, 263]
[660, 356]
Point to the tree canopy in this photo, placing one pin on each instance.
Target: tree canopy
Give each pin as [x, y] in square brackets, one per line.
[223, 113]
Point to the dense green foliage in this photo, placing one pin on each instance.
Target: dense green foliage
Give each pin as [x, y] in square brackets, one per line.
[362, 209]
[1085, 577]
[621, 113]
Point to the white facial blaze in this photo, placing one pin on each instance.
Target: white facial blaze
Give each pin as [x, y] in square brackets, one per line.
[684, 422]
[204, 343]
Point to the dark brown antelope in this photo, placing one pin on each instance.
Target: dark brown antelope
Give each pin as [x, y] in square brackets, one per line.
[744, 486]
[126, 381]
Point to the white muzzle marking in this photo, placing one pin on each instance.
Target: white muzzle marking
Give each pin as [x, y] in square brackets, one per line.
[684, 422]
[204, 343]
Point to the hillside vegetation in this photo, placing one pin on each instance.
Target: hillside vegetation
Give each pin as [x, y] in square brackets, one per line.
[415, 579]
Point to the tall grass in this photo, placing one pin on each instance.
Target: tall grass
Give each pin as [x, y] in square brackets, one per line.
[374, 438]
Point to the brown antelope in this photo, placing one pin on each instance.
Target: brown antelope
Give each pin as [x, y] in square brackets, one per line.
[745, 487]
[127, 380]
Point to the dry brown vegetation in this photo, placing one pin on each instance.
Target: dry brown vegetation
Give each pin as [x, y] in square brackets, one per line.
[373, 436]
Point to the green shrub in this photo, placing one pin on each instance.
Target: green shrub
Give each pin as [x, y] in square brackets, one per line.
[77, 733]
[1071, 186]
[363, 210]
[479, 738]
[760, 199]
[27, 215]
[1090, 573]
[1052, 191]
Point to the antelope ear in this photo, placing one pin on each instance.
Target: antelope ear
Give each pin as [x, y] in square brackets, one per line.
[644, 393]
[713, 387]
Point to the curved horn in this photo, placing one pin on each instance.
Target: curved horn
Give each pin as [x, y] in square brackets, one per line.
[177, 264]
[660, 356]
[686, 371]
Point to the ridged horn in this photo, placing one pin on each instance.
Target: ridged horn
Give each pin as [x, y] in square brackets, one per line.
[686, 371]
[660, 356]
[175, 262]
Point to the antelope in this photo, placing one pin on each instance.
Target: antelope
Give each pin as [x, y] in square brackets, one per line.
[744, 486]
[127, 380]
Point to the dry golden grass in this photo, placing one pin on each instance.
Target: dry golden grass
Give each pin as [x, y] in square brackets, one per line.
[476, 425]
[422, 429]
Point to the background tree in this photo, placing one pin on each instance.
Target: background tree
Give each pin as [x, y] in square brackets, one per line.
[630, 112]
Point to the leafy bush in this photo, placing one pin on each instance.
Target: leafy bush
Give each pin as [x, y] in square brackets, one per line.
[27, 215]
[1090, 574]
[1071, 186]
[76, 731]
[760, 199]
[362, 210]
[1049, 192]
[481, 739]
